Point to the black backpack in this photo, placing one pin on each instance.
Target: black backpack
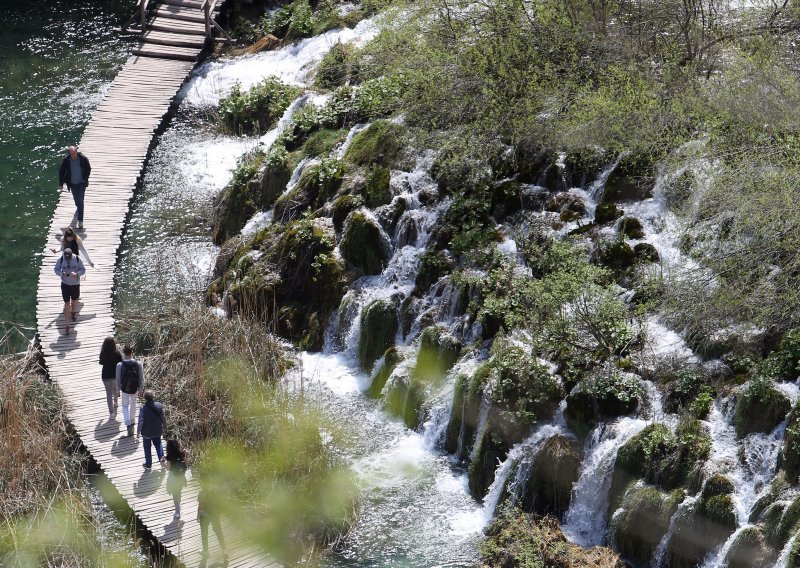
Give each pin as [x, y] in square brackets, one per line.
[129, 377]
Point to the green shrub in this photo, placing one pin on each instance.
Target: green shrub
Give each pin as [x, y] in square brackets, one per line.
[257, 109]
[338, 67]
[760, 408]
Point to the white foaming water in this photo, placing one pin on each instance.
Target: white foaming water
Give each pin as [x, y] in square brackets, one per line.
[658, 556]
[410, 494]
[259, 221]
[664, 344]
[585, 523]
[207, 165]
[298, 171]
[214, 80]
[751, 479]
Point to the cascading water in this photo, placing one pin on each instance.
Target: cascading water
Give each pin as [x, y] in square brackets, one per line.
[585, 523]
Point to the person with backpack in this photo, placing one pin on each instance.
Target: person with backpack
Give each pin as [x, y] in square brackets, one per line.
[70, 269]
[175, 462]
[150, 427]
[130, 380]
[208, 514]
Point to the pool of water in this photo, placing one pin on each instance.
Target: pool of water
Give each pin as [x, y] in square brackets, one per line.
[58, 57]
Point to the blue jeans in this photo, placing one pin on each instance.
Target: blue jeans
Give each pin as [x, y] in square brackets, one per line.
[78, 192]
[148, 457]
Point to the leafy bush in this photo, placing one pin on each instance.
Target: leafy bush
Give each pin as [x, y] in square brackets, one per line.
[760, 407]
[257, 109]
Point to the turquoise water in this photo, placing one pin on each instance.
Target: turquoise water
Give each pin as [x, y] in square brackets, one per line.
[57, 59]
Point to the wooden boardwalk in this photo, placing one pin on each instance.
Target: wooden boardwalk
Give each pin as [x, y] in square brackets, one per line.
[117, 141]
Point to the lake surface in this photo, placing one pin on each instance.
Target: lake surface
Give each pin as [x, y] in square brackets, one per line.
[57, 59]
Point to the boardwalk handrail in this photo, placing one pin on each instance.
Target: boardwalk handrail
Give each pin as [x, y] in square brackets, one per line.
[208, 7]
[141, 11]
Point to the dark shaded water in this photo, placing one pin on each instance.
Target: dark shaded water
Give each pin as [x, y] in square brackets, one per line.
[56, 59]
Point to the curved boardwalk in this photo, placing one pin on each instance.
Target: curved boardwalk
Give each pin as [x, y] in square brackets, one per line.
[117, 141]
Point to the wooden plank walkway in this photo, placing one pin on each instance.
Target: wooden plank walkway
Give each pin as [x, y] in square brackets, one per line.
[117, 141]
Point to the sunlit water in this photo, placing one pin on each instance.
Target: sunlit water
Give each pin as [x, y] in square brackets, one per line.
[57, 59]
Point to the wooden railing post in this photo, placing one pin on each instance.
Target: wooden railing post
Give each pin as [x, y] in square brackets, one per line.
[207, 12]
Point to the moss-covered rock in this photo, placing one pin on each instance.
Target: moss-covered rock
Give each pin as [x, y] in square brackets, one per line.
[660, 457]
[710, 524]
[432, 266]
[376, 190]
[380, 144]
[607, 212]
[584, 166]
[362, 244]
[783, 523]
[631, 227]
[555, 468]
[491, 448]
[760, 408]
[438, 352]
[645, 252]
[633, 178]
[617, 255]
[404, 398]
[644, 520]
[289, 274]
[570, 207]
[391, 358]
[606, 393]
[342, 207]
[790, 454]
[316, 185]
[378, 329]
[257, 182]
[750, 550]
[461, 427]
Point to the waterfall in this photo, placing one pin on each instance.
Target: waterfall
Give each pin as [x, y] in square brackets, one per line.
[519, 462]
[685, 507]
[751, 480]
[585, 523]
[291, 64]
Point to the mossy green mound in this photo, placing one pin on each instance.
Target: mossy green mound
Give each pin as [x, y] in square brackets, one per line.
[750, 550]
[377, 333]
[710, 524]
[632, 228]
[438, 352]
[391, 358]
[380, 144]
[461, 427]
[317, 184]
[362, 244]
[760, 408]
[606, 393]
[555, 468]
[662, 458]
[645, 518]
[404, 398]
[607, 212]
[790, 455]
[633, 178]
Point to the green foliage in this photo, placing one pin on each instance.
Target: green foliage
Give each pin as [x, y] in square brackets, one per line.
[381, 143]
[378, 328]
[522, 387]
[338, 67]
[257, 109]
[517, 539]
[760, 407]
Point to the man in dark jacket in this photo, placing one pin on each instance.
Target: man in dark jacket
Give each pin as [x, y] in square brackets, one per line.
[151, 426]
[74, 172]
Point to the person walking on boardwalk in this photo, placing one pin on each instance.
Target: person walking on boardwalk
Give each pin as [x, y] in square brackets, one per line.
[72, 241]
[150, 427]
[70, 269]
[175, 462]
[130, 380]
[110, 357]
[74, 173]
[208, 513]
